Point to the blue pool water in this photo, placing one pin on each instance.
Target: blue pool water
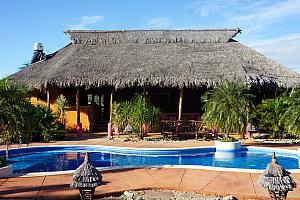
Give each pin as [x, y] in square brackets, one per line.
[61, 158]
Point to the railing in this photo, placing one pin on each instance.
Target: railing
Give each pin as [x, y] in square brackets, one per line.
[172, 128]
[184, 117]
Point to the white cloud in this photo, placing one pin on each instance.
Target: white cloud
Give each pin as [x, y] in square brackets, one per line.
[254, 16]
[284, 49]
[161, 22]
[86, 21]
[269, 14]
[207, 8]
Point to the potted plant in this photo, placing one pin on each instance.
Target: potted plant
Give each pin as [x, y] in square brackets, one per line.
[226, 108]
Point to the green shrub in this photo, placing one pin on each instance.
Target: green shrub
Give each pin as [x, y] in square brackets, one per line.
[136, 130]
[267, 116]
[118, 119]
[12, 102]
[22, 122]
[47, 125]
[136, 112]
[3, 162]
[152, 119]
[228, 139]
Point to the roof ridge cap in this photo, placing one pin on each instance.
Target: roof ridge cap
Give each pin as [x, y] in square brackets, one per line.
[146, 30]
[151, 36]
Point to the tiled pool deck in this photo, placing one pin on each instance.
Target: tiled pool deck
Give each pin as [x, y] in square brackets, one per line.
[241, 185]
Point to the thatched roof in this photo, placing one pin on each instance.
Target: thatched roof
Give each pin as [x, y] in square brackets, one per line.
[156, 57]
[276, 178]
[86, 175]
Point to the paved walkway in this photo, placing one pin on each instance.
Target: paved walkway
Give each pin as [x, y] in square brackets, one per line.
[100, 139]
[241, 185]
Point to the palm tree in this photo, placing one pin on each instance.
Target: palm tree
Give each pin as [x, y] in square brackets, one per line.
[227, 106]
[268, 115]
[12, 103]
[290, 118]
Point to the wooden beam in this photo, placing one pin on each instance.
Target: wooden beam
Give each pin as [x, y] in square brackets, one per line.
[77, 104]
[48, 99]
[111, 104]
[180, 103]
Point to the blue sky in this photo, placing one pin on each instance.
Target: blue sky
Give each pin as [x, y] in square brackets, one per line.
[272, 27]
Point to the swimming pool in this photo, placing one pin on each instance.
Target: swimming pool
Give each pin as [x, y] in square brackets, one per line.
[63, 158]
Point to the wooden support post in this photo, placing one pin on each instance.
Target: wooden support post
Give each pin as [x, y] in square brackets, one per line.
[145, 93]
[111, 104]
[93, 98]
[77, 104]
[180, 103]
[48, 99]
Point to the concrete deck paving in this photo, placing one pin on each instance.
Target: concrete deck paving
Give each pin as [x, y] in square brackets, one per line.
[241, 185]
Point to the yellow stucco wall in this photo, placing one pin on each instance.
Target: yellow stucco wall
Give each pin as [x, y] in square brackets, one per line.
[71, 114]
[71, 118]
[35, 101]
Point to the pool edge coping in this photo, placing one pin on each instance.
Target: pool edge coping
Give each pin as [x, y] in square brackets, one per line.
[210, 168]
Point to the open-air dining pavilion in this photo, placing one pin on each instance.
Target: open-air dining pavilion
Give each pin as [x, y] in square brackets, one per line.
[172, 67]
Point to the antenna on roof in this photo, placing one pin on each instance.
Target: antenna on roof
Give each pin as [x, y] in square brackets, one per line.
[38, 54]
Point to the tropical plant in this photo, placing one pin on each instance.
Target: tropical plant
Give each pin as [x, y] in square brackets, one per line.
[3, 162]
[227, 107]
[117, 118]
[61, 108]
[290, 119]
[20, 121]
[140, 112]
[267, 116]
[12, 102]
[48, 127]
[153, 114]
[126, 112]
[28, 127]
[136, 112]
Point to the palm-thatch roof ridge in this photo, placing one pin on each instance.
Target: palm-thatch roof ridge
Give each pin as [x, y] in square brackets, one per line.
[276, 178]
[156, 57]
[151, 36]
[86, 175]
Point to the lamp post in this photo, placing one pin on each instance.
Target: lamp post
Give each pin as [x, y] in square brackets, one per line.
[86, 179]
[276, 180]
